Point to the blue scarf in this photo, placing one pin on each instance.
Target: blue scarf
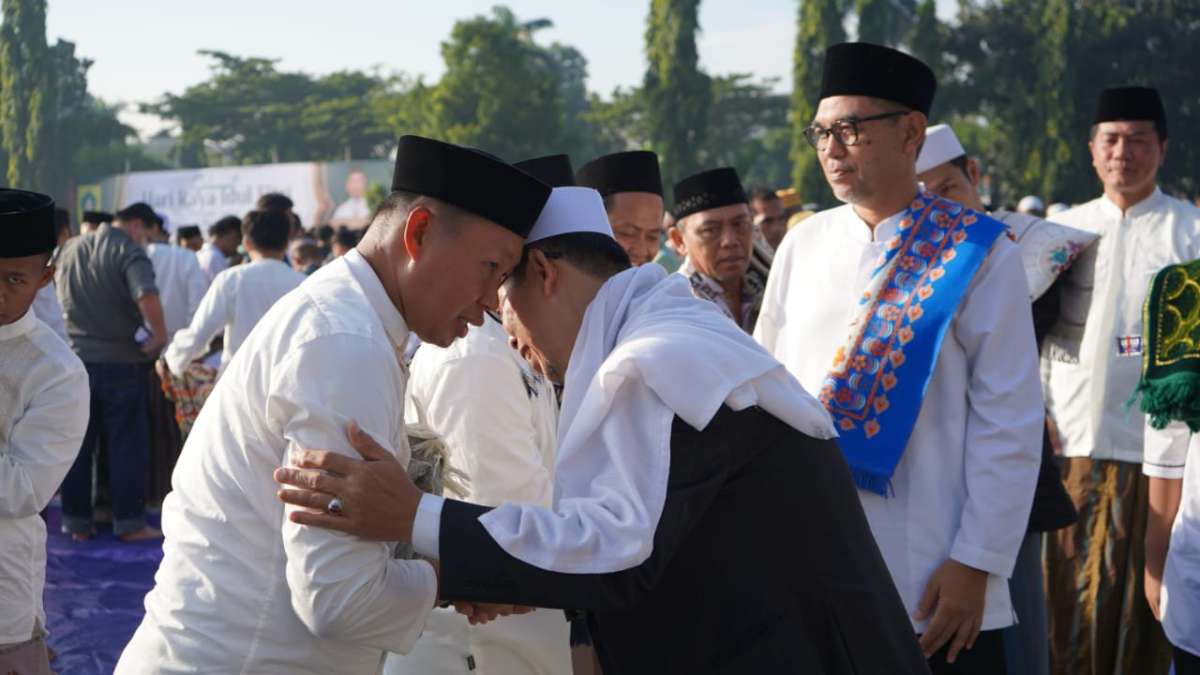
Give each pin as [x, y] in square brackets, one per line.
[878, 380]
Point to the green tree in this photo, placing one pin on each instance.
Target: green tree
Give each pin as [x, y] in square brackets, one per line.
[26, 81]
[882, 21]
[676, 94]
[501, 91]
[819, 25]
[748, 129]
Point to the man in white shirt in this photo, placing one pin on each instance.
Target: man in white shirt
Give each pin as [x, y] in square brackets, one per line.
[910, 314]
[241, 587]
[224, 237]
[44, 387]
[239, 297]
[354, 212]
[499, 420]
[181, 283]
[1090, 366]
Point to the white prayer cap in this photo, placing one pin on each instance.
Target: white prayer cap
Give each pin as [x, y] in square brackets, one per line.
[941, 146]
[1029, 204]
[570, 210]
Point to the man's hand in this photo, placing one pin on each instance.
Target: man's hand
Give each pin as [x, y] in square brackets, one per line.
[1153, 585]
[954, 598]
[379, 502]
[160, 367]
[478, 613]
[154, 345]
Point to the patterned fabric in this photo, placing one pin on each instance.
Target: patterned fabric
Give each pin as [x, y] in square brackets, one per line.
[188, 392]
[878, 380]
[1100, 623]
[707, 288]
[1170, 384]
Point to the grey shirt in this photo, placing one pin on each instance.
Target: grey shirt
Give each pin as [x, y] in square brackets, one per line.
[100, 277]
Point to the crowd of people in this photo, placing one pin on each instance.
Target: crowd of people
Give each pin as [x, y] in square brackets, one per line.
[534, 419]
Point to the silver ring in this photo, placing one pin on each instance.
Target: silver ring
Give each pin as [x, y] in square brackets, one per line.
[335, 506]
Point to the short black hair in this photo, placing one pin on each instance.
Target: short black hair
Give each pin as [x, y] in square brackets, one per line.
[225, 226]
[346, 237]
[598, 255]
[325, 233]
[62, 221]
[267, 229]
[763, 194]
[961, 162]
[138, 211]
[273, 201]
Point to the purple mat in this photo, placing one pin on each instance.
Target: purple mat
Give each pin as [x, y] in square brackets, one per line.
[94, 593]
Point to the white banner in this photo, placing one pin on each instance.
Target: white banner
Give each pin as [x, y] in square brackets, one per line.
[203, 196]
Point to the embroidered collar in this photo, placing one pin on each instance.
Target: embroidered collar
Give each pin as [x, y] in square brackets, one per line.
[704, 286]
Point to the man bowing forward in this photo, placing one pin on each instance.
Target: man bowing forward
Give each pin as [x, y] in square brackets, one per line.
[702, 514]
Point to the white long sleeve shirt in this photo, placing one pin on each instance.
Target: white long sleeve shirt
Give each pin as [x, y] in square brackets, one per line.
[1092, 359]
[241, 589]
[1174, 453]
[43, 417]
[964, 485]
[499, 420]
[235, 302]
[212, 261]
[47, 308]
[181, 284]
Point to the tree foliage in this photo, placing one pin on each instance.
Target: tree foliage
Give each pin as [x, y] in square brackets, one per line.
[676, 93]
[819, 25]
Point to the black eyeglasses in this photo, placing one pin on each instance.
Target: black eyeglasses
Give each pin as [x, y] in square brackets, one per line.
[845, 130]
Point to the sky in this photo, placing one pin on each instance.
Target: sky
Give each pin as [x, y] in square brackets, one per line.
[144, 48]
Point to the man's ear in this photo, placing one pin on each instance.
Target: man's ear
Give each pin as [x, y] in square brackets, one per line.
[914, 132]
[544, 271]
[416, 232]
[973, 171]
[1162, 159]
[676, 237]
[47, 277]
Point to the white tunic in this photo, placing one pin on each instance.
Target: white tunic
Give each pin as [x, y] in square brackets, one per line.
[235, 302]
[499, 421]
[47, 308]
[241, 589]
[964, 485]
[43, 417]
[1092, 360]
[181, 284]
[1174, 453]
[211, 260]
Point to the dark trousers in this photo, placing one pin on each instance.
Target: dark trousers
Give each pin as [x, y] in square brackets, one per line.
[1186, 663]
[118, 416]
[985, 658]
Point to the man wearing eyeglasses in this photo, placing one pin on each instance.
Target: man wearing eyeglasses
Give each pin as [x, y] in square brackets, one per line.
[909, 315]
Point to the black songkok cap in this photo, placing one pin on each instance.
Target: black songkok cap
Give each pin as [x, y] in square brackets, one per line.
[553, 170]
[97, 217]
[633, 171]
[864, 69]
[470, 179]
[139, 211]
[187, 231]
[26, 223]
[706, 190]
[1120, 104]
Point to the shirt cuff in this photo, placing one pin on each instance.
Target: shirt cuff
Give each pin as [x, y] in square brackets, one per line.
[1162, 471]
[427, 526]
[983, 559]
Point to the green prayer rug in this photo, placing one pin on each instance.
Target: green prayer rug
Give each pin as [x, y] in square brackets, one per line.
[1170, 385]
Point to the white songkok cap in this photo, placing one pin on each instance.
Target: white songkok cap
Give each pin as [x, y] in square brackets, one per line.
[1030, 203]
[941, 146]
[570, 210]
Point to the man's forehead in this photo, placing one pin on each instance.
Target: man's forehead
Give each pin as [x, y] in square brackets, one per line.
[1126, 127]
[833, 108]
[721, 214]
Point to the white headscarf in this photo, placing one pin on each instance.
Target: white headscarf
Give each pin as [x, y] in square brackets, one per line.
[647, 351]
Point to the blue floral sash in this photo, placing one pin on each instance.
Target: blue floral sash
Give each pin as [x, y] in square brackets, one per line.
[878, 380]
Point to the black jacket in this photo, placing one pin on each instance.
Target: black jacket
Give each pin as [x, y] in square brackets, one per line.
[763, 562]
